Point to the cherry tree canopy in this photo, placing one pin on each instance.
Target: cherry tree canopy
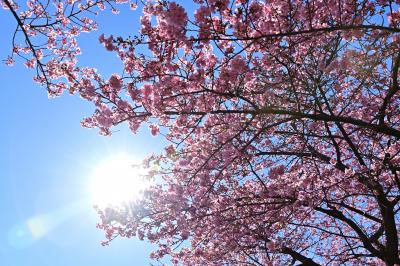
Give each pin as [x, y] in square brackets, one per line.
[283, 120]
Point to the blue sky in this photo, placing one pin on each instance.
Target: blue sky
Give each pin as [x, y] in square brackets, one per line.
[46, 159]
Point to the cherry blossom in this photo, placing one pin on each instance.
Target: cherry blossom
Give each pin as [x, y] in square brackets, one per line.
[282, 120]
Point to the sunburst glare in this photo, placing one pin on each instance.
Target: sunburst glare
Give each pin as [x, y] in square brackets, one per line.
[117, 179]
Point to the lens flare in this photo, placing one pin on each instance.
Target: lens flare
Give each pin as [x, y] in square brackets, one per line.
[27, 232]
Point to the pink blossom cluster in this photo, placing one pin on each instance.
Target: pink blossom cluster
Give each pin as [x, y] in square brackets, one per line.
[46, 39]
[273, 110]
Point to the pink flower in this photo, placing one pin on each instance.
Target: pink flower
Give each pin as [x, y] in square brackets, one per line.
[154, 129]
[133, 6]
[108, 42]
[30, 63]
[115, 82]
[9, 61]
[172, 23]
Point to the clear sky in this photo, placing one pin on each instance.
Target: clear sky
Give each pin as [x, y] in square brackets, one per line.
[46, 158]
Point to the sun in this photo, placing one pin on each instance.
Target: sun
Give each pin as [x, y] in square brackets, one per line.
[116, 180]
